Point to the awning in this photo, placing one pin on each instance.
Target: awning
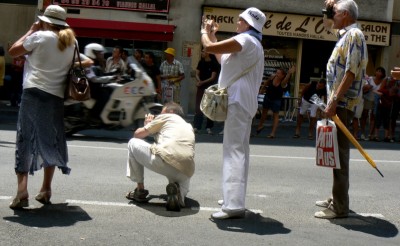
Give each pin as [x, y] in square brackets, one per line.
[121, 30]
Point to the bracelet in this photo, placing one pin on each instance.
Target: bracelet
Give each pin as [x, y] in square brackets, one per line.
[202, 32]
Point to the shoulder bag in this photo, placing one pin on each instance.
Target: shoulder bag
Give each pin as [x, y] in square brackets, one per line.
[214, 103]
[77, 84]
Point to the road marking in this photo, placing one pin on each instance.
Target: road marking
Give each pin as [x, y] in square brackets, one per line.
[98, 203]
[121, 204]
[313, 158]
[96, 147]
[257, 156]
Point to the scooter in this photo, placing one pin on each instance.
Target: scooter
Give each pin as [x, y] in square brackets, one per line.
[130, 100]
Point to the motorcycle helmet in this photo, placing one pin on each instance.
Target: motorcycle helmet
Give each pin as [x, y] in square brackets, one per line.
[90, 50]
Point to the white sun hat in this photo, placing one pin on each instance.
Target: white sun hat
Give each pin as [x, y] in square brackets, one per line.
[254, 17]
[54, 14]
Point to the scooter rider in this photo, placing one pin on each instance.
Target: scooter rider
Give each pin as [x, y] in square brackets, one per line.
[97, 78]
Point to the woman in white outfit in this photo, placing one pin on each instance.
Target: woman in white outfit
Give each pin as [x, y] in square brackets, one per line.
[242, 65]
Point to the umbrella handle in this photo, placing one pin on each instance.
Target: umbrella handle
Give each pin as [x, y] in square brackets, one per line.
[344, 129]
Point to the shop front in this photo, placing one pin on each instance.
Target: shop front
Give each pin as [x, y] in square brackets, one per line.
[130, 24]
[301, 40]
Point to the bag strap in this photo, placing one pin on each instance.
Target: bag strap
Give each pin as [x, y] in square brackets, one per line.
[76, 52]
[242, 74]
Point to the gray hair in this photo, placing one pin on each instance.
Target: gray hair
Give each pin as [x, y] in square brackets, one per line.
[350, 6]
[172, 107]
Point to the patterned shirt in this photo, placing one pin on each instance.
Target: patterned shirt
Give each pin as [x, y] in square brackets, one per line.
[175, 69]
[349, 54]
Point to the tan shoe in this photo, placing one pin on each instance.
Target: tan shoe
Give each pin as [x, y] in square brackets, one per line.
[328, 213]
[324, 203]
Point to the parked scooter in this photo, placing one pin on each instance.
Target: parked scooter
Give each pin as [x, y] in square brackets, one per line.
[130, 100]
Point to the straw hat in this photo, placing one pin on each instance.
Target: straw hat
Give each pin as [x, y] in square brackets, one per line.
[170, 51]
[254, 17]
[54, 14]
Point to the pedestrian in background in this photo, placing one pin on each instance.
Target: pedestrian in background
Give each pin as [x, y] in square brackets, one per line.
[237, 55]
[313, 88]
[172, 74]
[2, 66]
[115, 63]
[17, 71]
[154, 72]
[206, 75]
[276, 85]
[370, 107]
[345, 72]
[49, 49]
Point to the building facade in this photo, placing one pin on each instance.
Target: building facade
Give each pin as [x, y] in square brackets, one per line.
[293, 34]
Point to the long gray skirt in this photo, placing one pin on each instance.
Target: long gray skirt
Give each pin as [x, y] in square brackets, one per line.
[40, 133]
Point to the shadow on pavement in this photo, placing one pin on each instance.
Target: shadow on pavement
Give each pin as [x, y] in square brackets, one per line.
[252, 223]
[52, 215]
[156, 205]
[369, 225]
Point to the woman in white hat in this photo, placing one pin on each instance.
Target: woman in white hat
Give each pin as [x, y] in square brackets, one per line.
[242, 66]
[48, 47]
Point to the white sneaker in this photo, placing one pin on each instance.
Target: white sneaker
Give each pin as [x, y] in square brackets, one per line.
[328, 213]
[221, 202]
[221, 132]
[363, 137]
[221, 215]
[209, 131]
[324, 203]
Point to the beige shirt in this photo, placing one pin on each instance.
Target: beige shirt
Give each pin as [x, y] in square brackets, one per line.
[174, 141]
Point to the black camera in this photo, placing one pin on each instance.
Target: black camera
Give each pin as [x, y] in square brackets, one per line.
[329, 12]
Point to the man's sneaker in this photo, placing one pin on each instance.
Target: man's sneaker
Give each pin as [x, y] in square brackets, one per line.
[221, 132]
[138, 195]
[363, 137]
[324, 203]
[173, 197]
[209, 131]
[328, 213]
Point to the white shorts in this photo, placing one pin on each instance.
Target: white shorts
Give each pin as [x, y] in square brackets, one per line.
[305, 105]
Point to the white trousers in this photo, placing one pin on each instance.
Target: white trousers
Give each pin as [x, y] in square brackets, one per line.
[140, 156]
[236, 154]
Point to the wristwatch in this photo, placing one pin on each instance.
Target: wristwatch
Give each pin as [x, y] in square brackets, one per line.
[334, 98]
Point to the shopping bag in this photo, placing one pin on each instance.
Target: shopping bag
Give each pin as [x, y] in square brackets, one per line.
[327, 151]
[168, 94]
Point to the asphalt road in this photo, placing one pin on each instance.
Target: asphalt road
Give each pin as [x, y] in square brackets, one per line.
[89, 205]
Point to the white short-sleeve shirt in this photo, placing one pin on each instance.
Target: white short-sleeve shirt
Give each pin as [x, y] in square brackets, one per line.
[245, 90]
[46, 67]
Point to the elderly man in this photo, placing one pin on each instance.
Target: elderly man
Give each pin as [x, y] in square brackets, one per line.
[171, 74]
[345, 70]
[172, 155]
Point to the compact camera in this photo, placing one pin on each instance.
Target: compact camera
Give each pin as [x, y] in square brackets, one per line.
[329, 12]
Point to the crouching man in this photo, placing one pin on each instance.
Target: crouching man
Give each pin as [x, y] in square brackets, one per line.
[171, 155]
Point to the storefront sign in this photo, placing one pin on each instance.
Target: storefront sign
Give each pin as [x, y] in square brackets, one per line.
[298, 26]
[145, 5]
